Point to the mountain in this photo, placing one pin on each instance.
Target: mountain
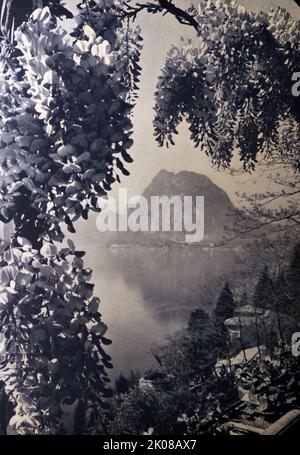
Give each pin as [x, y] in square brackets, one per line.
[217, 207]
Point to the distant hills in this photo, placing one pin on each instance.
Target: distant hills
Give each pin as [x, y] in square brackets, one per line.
[217, 207]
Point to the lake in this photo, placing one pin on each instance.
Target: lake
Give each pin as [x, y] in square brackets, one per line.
[148, 293]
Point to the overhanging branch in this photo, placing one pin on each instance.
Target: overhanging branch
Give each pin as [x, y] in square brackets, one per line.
[161, 6]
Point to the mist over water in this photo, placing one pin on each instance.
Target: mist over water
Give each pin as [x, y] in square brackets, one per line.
[147, 293]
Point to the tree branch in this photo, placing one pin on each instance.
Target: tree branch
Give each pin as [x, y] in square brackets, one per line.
[163, 6]
[279, 196]
[245, 231]
[182, 16]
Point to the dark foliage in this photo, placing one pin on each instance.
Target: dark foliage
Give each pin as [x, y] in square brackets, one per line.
[226, 305]
[263, 295]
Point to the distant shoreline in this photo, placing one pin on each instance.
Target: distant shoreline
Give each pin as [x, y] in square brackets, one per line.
[166, 245]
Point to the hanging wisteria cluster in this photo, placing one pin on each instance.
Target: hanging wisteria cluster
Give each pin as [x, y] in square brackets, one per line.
[65, 132]
[233, 84]
[65, 123]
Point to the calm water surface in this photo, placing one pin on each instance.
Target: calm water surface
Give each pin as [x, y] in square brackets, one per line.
[148, 293]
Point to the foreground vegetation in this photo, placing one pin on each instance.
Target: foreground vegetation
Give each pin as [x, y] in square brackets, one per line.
[192, 391]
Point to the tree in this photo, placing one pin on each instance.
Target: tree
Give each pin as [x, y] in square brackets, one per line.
[272, 213]
[293, 282]
[263, 295]
[123, 383]
[224, 309]
[282, 295]
[226, 305]
[203, 341]
[242, 303]
[192, 352]
[186, 385]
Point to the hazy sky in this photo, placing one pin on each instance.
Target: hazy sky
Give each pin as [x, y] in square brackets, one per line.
[159, 33]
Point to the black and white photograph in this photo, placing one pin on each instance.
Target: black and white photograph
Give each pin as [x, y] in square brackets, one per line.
[149, 220]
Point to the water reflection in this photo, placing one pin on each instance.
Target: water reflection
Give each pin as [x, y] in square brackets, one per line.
[148, 293]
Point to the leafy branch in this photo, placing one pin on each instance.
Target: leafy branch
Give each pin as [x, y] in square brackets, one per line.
[163, 6]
